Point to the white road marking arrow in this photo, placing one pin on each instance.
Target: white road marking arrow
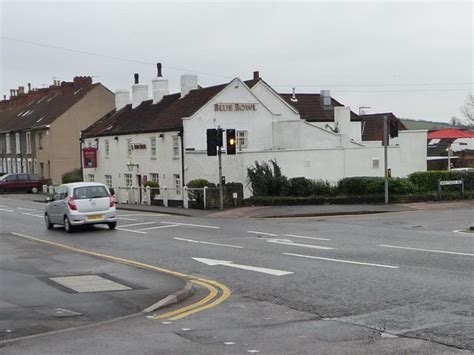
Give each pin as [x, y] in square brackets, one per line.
[213, 262]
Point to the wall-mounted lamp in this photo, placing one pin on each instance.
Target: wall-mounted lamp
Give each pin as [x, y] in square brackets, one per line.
[131, 165]
[162, 135]
[116, 138]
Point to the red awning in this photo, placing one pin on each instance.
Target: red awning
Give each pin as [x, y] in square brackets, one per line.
[450, 133]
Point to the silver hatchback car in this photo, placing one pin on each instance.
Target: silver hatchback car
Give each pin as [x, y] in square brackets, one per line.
[80, 203]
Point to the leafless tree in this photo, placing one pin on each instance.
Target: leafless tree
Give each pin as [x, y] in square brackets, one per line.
[467, 110]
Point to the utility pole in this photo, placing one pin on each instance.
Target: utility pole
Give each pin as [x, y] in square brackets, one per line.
[385, 156]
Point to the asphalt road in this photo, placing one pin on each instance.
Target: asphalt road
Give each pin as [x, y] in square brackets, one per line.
[384, 283]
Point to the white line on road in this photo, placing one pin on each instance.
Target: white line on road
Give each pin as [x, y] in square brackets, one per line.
[464, 231]
[210, 243]
[158, 227]
[26, 209]
[136, 224]
[131, 230]
[5, 210]
[427, 250]
[263, 233]
[341, 261]
[304, 237]
[289, 242]
[191, 225]
[212, 262]
[143, 214]
[33, 215]
[127, 219]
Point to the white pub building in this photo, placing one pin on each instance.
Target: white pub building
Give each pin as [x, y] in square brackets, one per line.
[164, 139]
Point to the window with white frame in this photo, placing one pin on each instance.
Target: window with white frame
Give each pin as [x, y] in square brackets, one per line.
[128, 180]
[90, 177]
[17, 143]
[106, 148]
[40, 140]
[129, 147]
[7, 142]
[242, 139]
[28, 142]
[177, 183]
[154, 177]
[108, 181]
[153, 147]
[175, 147]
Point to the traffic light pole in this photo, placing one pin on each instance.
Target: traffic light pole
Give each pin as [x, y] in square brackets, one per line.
[221, 191]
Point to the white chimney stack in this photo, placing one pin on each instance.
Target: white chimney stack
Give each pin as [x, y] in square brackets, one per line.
[122, 99]
[139, 92]
[188, 82]
[160, 86]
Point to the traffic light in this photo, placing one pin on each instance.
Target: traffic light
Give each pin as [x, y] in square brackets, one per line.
[211, 134]
[231, 141]
[214, 140]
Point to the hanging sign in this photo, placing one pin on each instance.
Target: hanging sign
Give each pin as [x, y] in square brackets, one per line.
[89, 157]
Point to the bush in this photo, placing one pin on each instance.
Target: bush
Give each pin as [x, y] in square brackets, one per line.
[322, 187]
[366, 185]
[153, 188]
[72, 176]
[300, 186]
[198, 195]
[266, 180]
[428, 180]
[468, 177]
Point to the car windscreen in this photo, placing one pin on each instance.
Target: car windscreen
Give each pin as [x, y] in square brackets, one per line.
[88, 192]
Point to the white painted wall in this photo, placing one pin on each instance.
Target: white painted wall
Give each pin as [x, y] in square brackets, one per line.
[116, 163]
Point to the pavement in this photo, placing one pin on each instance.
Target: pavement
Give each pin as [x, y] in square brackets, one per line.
[45, 289]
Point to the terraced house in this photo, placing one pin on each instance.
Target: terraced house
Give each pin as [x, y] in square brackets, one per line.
[40, 129]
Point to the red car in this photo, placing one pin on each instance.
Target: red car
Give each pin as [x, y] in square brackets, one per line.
[20, 183]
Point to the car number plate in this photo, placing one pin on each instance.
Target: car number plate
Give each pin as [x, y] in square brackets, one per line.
[95, 217]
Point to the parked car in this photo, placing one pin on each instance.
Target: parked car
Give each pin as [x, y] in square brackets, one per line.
[80, 203]
[20, 183]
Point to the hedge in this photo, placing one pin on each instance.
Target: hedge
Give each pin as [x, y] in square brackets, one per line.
[366, 185]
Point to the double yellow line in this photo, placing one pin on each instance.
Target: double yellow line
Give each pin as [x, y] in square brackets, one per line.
[217, 294]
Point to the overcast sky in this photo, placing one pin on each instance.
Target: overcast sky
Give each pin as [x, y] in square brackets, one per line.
[412, 59]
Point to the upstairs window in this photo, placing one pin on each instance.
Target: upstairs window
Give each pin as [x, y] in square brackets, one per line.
[242, 139]
[129, 147]
[107, 148]
[153, 147]
[40, 140]
[17, 143]
[175, 147]
[7, 142]
[28, 142]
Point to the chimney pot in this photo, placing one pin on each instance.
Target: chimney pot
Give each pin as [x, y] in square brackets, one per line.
[136, 77]
[158, 67]
[29, 87]
[256, 75]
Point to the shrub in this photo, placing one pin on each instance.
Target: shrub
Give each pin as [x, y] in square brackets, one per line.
[300, 186]
[468, 177]
[364, 185]
[153, 188]
[266, 180]
[322, 187]
[72, 176]
[428, 180]
[198, 195]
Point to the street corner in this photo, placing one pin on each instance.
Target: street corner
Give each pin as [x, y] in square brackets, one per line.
[47, 289]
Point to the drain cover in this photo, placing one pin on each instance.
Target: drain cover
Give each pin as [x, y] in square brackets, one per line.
[89, 283]
[59, 312]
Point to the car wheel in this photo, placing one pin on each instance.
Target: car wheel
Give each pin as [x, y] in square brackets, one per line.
[112, 225]
[34, 190]
[49, 225]
[67, 225]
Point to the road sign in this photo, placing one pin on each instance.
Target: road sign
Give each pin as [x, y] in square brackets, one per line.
[451, 182]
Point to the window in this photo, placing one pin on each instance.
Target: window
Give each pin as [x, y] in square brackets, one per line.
[28, 142]
[153, 147]
[40, 140]
[88, 192]
[7, 142]
[91, 177]
[108, 181]
[375, 163]
[23, 177]
[242, 139]
[107, 148]
[177, 184]
[129, 147]
[17, 143]
[128, 180]
[175, 147]
[154, 177]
